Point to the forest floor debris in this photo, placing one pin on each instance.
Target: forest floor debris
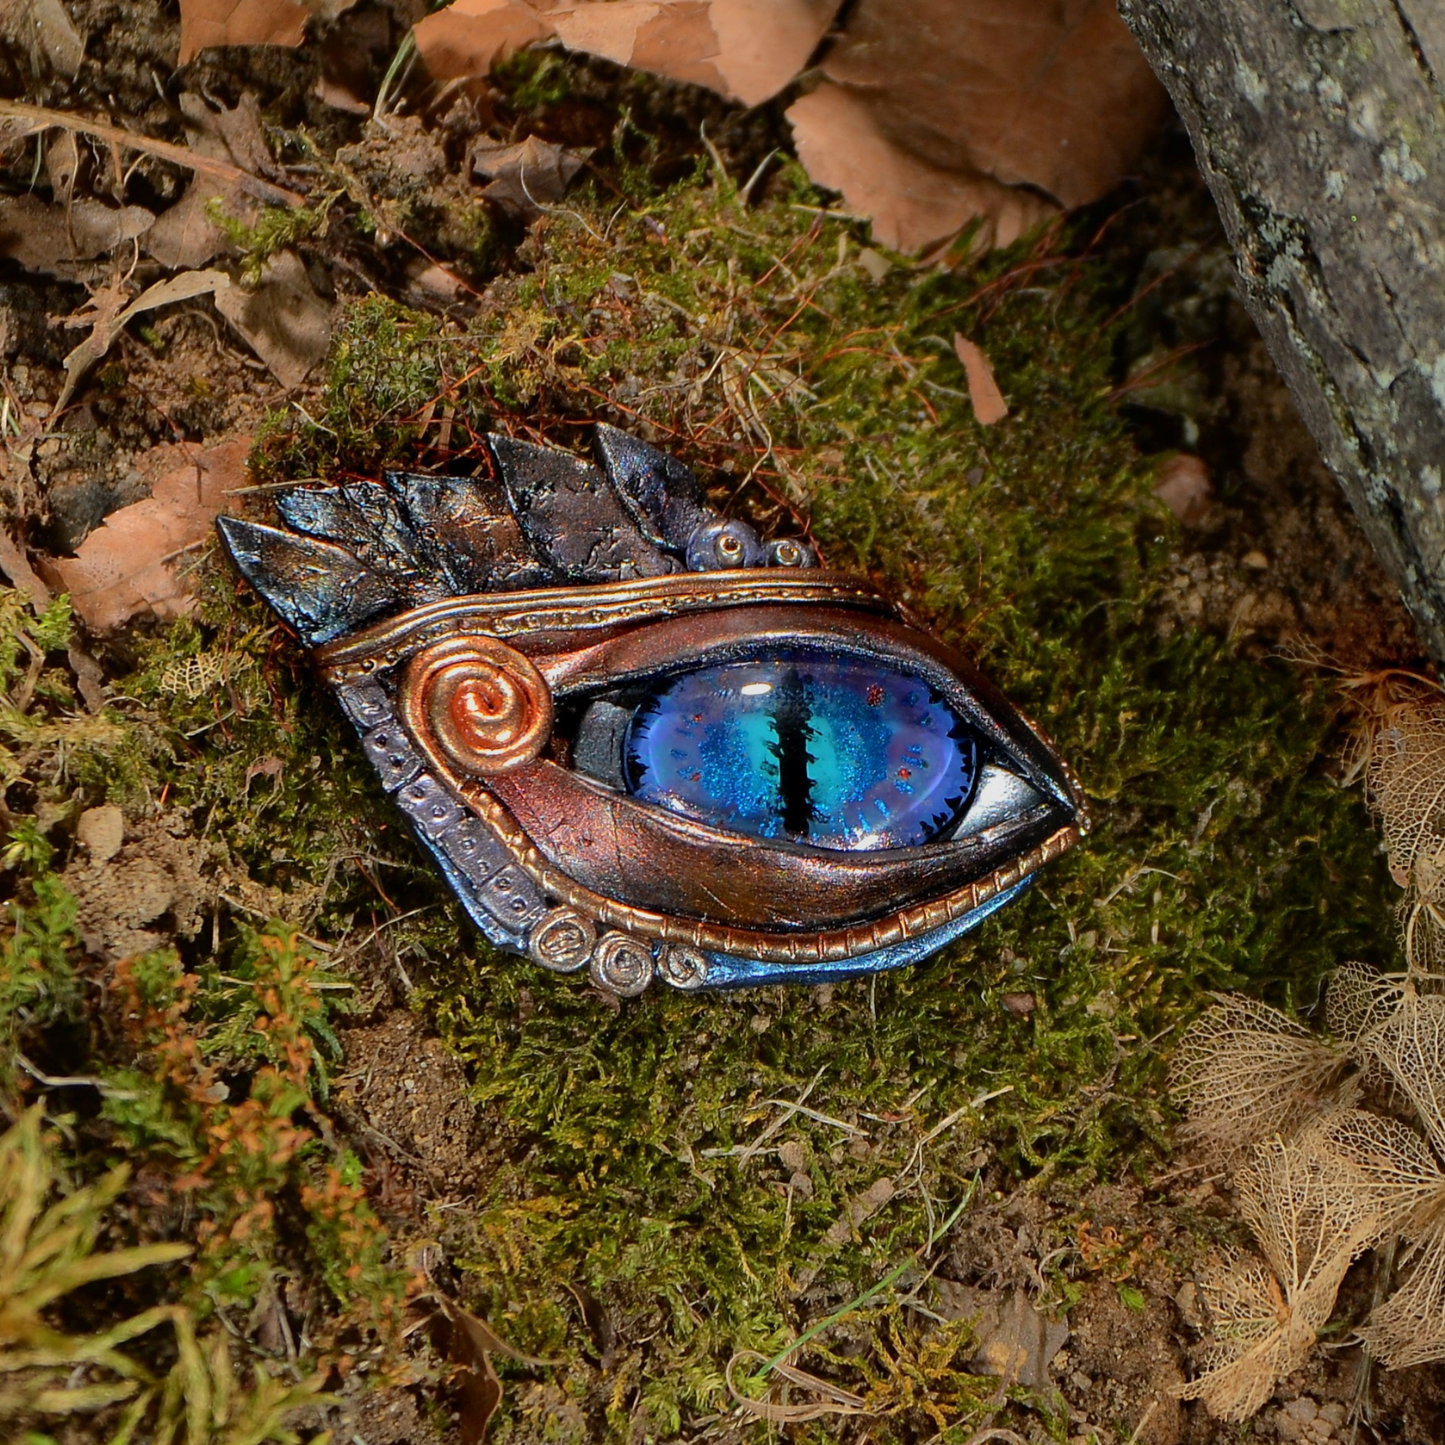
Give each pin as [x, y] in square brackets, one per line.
[358, 1112]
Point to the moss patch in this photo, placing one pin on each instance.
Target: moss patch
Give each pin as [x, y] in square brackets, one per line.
[624, 1189]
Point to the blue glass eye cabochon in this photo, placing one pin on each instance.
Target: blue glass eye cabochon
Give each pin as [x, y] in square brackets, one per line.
[830, 751]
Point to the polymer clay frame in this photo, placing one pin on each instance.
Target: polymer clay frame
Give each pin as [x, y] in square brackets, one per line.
[465, 623]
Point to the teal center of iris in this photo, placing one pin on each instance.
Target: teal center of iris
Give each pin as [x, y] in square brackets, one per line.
[836, 752]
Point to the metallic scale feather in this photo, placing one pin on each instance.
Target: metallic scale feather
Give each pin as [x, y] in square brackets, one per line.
[638, 740]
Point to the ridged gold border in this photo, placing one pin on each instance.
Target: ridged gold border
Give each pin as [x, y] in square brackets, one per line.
[833, 944]
[512, 614]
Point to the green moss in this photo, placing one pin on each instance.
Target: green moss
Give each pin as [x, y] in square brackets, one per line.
[751, 344]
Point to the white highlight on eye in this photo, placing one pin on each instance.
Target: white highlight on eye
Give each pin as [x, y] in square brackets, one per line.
[755, 689]
[1001, 796]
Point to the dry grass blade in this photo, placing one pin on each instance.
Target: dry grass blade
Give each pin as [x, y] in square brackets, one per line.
[833, 1401]
[1247, 1070]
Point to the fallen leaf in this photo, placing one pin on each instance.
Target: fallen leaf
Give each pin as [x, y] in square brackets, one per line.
[16, 567]
[127, 565]
[36, 234]
[1184, 487]
[89, 679]
[207, 23]
[910, 201]
[347, 56]
[16, 111]
[281, 318]
[471, 36]
[525, 177]
[17, 128]
[1014, 1341]
[1053, 94]
[988, 403]
[747, 50]
[184, 236]
[471, 1342]
[107, 318]
[62, 165]
[267, 767]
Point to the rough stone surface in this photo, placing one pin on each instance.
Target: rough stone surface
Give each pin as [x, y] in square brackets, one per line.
[1320, 127]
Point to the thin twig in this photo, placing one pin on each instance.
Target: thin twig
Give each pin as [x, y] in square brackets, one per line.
[162, 149]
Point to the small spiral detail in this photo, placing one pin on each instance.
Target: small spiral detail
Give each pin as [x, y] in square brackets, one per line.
[683, 967]
[621, 964]
[479, 702]
[562, 940]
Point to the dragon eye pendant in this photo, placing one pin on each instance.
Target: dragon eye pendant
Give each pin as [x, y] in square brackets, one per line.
[639, 741]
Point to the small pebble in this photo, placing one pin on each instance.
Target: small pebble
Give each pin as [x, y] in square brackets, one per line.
[1183, 485]
[101, 831]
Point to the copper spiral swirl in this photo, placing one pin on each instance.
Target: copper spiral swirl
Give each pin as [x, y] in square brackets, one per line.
[481, 704]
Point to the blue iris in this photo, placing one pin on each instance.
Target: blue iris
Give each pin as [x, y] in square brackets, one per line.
[842, 753]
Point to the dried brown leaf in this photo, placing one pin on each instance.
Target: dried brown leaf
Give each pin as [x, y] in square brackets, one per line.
[14, 111]
[989, 406]
[1311, 1218]
[1405, 782]
[46, 28]
[206, 23]
[15, 565]
[471, 1342]
[747, 50]
[348, 53]
[1183, 485]
[939, 112]
[1388, 1161]
[525, 177]
[1358, 999]
[1255, 1342]
[1013, 1340]
[107, 318]
[1409, 1327]
[128, 564]
[184, 236]
[1053, 95]
[1410, 1044]
[469, 37]
[38, 237]
[282, 318]
[911, 201]
[62, 165]
[1248, 1071]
